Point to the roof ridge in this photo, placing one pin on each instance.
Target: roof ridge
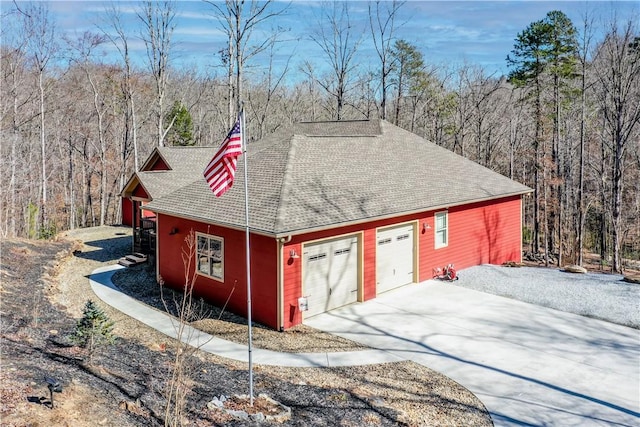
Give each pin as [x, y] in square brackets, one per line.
[338, 135]
[286, 184]
[186, 147]
[337, 121]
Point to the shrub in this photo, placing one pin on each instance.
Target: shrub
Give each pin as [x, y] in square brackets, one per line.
[94, 329]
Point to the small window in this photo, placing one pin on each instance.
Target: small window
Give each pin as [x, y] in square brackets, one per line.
[384, 242]
[402, 237]
[342, 251]
[442, 230]
[210, 256]
[317, 257]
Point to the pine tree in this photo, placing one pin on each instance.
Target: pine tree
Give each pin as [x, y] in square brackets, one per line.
[180, 130]
[545, 51]
[93, 329]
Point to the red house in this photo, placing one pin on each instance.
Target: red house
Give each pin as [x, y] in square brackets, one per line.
[338, 212]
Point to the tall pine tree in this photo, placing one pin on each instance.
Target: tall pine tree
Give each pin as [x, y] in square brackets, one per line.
[545, 51]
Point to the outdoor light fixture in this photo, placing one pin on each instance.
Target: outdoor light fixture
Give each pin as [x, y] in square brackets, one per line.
[173, 231]
[54, 386]
[425, 226]
[293, 254]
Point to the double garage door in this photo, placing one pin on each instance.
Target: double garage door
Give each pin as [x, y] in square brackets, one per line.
[330, 274]
[330, 268]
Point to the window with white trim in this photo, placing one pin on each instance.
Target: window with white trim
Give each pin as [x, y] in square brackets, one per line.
[442, 229]
[210, 256]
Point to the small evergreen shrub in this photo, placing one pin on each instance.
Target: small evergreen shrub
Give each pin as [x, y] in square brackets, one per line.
[94, 329]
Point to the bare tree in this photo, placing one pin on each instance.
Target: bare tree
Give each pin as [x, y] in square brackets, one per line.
[188, 340]
[266, 90]
[121, 42]
[481, 90]
[618, 73]
[382, 21]
[15, 95]
[41, 48]
[339, 41]
[85, 47]
[158, 19]
[239, 22]
[584, 47]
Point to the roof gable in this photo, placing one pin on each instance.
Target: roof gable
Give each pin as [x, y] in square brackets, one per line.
[155, 161]
[168, 169]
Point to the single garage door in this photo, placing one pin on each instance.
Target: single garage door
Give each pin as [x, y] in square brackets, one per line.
[394, 257]
[330, 274]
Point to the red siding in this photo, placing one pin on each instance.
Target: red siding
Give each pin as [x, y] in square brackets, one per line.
[234, 287]
[292, 276]
[369, 264]
[139, 192]
[127, 211]
[159, 165]
[479, 233]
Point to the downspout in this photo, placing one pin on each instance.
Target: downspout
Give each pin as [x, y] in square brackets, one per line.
[134, 212]
[280, 291]
[156, 257]
[521, 230]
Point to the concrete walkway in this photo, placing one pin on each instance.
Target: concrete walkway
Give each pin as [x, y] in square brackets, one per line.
[530, 365]
[104, 288]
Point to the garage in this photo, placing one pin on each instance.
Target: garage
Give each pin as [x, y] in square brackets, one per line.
[330, 274]
[394, 257]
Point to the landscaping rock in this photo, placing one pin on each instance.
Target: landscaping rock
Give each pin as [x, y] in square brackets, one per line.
[575, 269]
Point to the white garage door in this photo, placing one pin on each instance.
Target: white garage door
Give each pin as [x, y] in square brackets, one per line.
[394, 257]
[330, 272]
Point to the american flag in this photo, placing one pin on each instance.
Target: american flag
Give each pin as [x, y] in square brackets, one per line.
[221, 169]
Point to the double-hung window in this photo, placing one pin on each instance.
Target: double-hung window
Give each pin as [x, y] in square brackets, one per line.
[442, 229]
[210, 256]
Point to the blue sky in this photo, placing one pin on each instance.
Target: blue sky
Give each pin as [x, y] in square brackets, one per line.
[447, 32]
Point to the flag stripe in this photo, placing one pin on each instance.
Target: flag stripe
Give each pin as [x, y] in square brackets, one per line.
[221, 170]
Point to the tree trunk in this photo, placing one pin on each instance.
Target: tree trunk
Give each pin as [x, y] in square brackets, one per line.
[43, 154]
[581, 213]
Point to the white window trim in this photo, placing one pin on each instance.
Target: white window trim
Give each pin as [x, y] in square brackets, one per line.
[222, 256]
[437, 243]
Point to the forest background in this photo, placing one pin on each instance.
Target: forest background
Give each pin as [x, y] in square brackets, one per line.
[563, 119]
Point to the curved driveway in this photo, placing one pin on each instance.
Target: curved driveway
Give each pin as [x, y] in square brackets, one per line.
[530, 365]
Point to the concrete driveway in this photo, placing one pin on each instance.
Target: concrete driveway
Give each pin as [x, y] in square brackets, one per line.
[529, 365]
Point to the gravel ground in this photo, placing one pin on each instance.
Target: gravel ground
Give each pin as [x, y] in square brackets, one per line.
[597, 295]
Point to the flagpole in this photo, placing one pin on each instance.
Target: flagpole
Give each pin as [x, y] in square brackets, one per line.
[248, 260]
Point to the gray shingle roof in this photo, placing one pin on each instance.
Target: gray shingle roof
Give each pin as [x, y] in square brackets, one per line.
[320, 175]
[186, 165]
